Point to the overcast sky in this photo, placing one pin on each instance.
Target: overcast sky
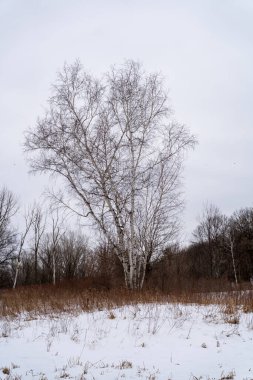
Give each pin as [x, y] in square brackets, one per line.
[203, 48]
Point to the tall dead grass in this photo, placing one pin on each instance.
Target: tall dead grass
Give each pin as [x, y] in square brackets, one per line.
[77, 296]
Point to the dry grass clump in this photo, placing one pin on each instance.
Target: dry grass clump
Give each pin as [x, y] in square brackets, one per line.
[6, 370]
[228, 376]
[230, 307]
[111, 315]
[125, 364]
[232, 319]
[231, 312]
[74, 297]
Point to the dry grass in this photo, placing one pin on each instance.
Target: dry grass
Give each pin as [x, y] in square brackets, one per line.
[6, 370]
[47, 299]
[76, 297]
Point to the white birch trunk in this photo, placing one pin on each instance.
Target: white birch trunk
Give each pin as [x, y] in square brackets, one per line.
[16, 274]
[233, 260]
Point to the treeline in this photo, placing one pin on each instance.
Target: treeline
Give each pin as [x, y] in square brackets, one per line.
[46, 251]
[221, 252]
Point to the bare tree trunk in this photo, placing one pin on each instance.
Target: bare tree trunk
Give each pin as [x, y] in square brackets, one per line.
[143, 274]
[38, 226]
[54, 269]
[16, 274]
[233, 259]
[56, 235]
[28, 222]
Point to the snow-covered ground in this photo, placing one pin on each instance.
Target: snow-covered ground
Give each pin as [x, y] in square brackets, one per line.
[176, 342]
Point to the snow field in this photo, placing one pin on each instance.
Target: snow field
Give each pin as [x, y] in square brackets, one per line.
[151, 341]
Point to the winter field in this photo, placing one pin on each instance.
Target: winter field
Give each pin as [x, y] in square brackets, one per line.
[162, 340]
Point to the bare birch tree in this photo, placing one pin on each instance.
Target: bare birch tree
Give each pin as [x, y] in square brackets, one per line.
[29, 218]
[56, 235]
[38, 229]
[230, 246]
[120, 154]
